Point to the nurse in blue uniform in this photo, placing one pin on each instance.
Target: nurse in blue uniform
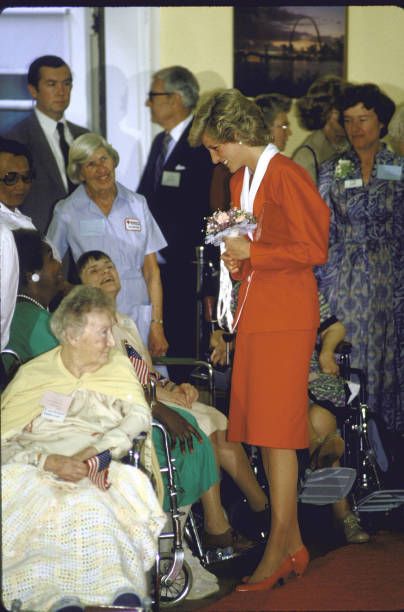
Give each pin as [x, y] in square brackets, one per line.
[104, 215]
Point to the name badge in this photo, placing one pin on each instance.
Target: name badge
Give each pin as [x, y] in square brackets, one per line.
[352, 183]
[133, 225]
[93, 227]
[388, 172]
[171, 179]
[55, 405]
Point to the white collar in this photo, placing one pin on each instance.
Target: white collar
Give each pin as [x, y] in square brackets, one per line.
[15, 219]
[47, 123]
[248, 192]
[180, 128]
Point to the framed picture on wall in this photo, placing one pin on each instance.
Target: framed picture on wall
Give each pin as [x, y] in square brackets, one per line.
[283, 49]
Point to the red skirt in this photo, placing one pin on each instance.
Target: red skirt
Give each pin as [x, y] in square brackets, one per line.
[269, 398]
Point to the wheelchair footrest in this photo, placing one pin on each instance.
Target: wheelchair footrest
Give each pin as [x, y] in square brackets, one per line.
[326, 486]
[219, 554]
[381, 501]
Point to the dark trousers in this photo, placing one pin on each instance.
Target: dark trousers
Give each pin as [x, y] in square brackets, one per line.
[179, 308]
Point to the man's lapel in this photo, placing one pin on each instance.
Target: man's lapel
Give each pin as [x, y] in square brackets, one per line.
[180, 153]
[43, 155]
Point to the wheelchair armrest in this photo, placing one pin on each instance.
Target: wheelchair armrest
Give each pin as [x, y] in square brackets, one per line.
[192, 362]
[8, 367]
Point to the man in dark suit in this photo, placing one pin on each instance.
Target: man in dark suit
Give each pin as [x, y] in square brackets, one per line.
[47, 135]
[176, 183]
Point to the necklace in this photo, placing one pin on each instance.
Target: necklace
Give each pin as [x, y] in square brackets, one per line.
[30, 299]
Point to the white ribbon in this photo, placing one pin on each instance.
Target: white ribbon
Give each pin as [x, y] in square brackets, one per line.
[223, 310]
[248, 193]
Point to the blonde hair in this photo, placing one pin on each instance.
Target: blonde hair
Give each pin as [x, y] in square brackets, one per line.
[228, 116]
[74, 308]
[82, 149]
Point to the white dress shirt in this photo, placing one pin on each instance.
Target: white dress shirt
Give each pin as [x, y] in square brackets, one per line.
[48, 126]
[176, 134]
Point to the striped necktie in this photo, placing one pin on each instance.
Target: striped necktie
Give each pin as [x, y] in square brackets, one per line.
[158, 168]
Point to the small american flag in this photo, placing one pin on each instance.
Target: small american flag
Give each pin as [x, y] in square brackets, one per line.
[141, 368]
[98, 469]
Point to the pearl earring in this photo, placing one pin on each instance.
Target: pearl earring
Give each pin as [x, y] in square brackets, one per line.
[35, 277]
[240, 142]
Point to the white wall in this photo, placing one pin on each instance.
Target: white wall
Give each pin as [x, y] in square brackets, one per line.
[132, 54]
[375, 48]
[27, 33]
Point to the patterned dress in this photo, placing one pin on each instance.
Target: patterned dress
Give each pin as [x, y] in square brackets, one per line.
[363, 280]
[324, 389]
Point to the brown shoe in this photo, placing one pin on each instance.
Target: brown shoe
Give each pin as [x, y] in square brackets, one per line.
[327, 452]
[354, 534]
[231, 537]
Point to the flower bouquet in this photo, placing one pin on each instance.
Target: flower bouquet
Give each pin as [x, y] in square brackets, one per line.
[225, 223]
[344, 169]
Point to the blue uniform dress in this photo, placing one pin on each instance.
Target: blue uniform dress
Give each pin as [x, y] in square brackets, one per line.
[127, 234]
[363, 280]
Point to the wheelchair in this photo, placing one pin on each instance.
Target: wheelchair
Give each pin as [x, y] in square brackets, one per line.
[364, 448]
[173, 575]
[10, 361]
[172, 578]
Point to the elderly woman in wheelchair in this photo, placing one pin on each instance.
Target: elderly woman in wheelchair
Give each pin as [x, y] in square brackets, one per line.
[326, 397]
[176, 405]
[78, 528]
[195, 462]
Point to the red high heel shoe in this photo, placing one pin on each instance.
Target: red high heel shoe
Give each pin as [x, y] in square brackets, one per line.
[283, 571]
[300, 560]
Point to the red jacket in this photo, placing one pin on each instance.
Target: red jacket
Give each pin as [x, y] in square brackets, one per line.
[291, 237]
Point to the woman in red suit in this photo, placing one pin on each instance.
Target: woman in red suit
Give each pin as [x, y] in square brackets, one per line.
[278, 309]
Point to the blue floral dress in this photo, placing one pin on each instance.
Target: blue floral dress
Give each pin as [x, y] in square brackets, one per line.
[363, 280]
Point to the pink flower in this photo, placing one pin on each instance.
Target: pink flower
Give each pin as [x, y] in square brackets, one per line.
[222, 217]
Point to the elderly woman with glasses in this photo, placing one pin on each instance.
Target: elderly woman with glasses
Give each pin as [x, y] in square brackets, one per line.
[102, 214]
[275, 108]
[78, 528]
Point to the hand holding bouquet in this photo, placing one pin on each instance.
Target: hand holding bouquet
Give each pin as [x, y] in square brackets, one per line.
[225, 223]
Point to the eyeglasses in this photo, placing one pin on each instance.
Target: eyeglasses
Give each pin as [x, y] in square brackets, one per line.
[283, 126]
[153, 94]
[11, 178]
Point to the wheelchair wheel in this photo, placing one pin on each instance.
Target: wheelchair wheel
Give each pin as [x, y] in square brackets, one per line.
[375, 435]
[172, 592]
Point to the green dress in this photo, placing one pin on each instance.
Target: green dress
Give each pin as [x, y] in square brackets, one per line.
[194, 472]
[30, 334]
